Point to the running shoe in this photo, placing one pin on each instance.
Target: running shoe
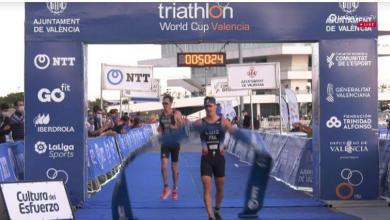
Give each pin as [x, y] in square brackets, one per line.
[217, 215]
[175, 196]
[165, 193]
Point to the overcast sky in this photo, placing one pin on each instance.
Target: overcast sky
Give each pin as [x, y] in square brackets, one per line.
[12, 52]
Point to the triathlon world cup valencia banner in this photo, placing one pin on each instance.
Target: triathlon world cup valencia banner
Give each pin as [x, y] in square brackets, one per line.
[349, 145]
[199, 21]
[55, 109]
[55, 83]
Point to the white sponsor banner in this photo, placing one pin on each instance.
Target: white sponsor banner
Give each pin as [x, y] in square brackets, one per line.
[253, 76]
[36, 200]
[227, 109]
[284, 112]
[117, 77]
[292, 106]
[154, 92]
[220, 88]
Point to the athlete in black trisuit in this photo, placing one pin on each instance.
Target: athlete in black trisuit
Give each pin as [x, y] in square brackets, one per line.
[212, 134]
[170, 120]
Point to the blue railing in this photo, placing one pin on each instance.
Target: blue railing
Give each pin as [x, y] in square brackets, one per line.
[103, 153]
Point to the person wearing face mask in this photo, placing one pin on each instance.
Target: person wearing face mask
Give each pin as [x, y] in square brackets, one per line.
[5, 128]
[98, 116]
[17, 121]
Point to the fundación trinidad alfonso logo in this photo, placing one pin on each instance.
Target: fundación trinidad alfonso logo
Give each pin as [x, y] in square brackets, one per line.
[115, 76]
[349, 7]
[333, 122]
[252, 72]
[352, 178]
[56, 8]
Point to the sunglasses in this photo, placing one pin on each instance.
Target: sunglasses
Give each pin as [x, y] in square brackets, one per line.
[165, 103]
[208, 106]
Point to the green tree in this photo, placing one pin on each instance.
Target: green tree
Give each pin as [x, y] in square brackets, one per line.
[11, 98]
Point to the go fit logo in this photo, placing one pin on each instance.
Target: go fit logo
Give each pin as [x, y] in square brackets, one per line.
[55, 95]
[195, 11]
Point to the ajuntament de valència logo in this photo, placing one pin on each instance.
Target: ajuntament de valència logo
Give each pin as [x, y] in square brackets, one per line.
[348, 21]
[56, 8]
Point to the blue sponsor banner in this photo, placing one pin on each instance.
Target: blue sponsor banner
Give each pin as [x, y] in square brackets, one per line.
[201, 21]
[348, 101]
[55, 112]
[7, 165]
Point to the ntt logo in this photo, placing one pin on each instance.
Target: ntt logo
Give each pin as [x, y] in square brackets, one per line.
[195, 11]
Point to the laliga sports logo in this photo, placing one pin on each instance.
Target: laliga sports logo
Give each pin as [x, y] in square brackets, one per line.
[40, 147]
[333, 122]
[349, 7]
[54, 174]
[330, 92]
[252, 72]
[115, 76]
[329, 60]
[56, 8]
[352, 178]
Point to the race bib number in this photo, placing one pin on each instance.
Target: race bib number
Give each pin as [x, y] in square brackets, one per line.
[213, 146]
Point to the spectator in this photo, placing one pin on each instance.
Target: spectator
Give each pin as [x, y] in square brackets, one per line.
[247, 120]
[5, 127]
[136, 123]
[98, 116]
[256, 123]
[17, 121]
[120, 126]
[303, 128]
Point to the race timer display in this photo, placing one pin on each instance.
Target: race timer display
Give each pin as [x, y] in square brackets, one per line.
[201, 59]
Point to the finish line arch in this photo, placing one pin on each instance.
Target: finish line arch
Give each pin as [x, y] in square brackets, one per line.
[344, 117]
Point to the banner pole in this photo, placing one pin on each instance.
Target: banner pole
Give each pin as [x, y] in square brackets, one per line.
[280, 96]
[120, 103]
[251, 110]
[101, 87]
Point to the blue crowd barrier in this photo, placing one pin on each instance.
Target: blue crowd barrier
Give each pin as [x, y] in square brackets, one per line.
[102, 156]
[293, 159]
[384, 167]
[292, 156]
[18, 151]
[103, 153]
[7, 163]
